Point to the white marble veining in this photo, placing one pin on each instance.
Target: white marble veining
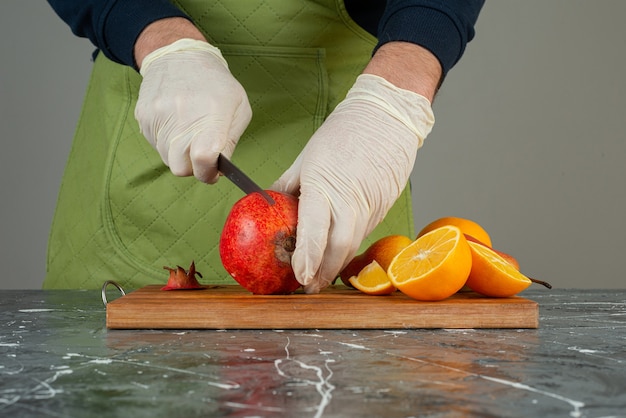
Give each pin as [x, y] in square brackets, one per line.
[58, 359]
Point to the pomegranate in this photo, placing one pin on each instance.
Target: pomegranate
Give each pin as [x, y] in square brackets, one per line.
[257, 242]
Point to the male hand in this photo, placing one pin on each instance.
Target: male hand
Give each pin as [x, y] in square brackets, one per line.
[190, 107]
[351, 172]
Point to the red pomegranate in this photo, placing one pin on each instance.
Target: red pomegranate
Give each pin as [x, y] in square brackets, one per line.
[257, 242]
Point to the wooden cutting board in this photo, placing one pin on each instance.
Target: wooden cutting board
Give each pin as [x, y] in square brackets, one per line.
[232, 307]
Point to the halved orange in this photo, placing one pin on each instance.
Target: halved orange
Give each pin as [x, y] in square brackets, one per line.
[433, 267]
[493, 275]
[373, 280]
[467, 226]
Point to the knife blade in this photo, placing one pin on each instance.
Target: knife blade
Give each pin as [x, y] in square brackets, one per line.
[240, 179]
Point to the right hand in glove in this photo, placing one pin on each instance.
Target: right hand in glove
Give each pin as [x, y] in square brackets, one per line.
[191, 108]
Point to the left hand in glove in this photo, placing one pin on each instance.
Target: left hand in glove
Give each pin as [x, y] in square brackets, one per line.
[351, 172]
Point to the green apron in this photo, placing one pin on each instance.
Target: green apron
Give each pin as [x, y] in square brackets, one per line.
[121, 215]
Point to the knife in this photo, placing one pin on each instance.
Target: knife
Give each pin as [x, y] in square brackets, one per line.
[245, 183]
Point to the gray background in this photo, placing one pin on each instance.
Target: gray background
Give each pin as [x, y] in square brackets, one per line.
[529, 139]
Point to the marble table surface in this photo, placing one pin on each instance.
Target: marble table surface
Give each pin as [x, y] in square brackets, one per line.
[58, 359]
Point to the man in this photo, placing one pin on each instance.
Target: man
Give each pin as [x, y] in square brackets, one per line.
[298, 92]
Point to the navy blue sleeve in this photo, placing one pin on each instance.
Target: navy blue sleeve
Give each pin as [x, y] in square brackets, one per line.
[444, 27]
[113, 25]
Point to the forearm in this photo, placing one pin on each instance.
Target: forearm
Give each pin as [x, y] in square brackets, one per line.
[443, 28]
[408, 66]
[164, 32]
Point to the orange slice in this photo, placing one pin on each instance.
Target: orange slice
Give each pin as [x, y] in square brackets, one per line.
[493, 275]
[433, 267]
[467, 226]
[373, 280]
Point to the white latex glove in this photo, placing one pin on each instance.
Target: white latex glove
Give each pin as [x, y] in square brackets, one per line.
[191, 108]
[351, 172]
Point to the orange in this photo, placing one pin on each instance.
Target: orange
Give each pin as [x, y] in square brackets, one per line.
[373, 280]
[507, 257]
[433, 267]
[467, 226]
[493, 275]
[382, 250]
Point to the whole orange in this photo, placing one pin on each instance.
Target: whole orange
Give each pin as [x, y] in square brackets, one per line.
[466, 226]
